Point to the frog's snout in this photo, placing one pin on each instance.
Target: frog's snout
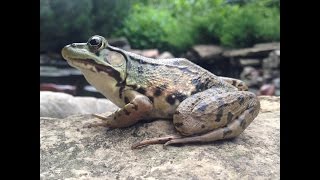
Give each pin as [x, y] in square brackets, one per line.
[64, 51]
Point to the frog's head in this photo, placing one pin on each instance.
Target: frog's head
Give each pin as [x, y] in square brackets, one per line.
[96, 57]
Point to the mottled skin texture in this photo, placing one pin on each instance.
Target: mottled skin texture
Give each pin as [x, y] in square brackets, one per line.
[203, 106]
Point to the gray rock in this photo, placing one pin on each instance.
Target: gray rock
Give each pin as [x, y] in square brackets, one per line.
[207, 51]
[276, 82]
[259, 50]
[165, 55]
[61, 105]
[272, 61]
[151, 53]
[250, 62]
[69, 151]
[251, 76]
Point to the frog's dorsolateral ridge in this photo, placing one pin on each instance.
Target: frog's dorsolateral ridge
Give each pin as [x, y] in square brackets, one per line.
[204, 107]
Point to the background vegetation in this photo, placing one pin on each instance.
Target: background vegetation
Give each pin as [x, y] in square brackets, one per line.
[173, 25]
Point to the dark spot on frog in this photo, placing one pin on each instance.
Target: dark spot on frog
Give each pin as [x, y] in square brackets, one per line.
[157, 91]
[203, 126]
[178, 124]
[241, 100]
[251, 96]
[194, 92]
[203, 107]
[135, 106]
[242, 123]
[234, 82]
[226, 131]
[229, 118]
[180, 96]
[120, 91]
[175, 62]
[141, 90]
[219, 115]
[163, 86]
[151, 98]
[251, 110]
[177, 112]
[126, 100]
[221, 104]
[126, 111]
[132, 86]
[200, 86]
[170, 99]
[140, 69]
[196, 81]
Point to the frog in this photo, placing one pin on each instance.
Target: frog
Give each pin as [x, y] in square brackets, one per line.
[202, 106]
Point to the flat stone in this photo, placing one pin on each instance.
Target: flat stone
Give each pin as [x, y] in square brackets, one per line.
[151, 53]
[61, 105]
[250, 62]
[69, 151]
[207, 51]
[259, 50]
[165, 55]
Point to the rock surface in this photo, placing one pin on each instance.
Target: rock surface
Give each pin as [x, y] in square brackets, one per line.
[69, 151]
[258, 50]
[207, 51]
[61, 105]
[151, 53]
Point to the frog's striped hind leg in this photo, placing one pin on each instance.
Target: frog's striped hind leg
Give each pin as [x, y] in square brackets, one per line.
[237, 124]
[236, 83]
[230, 131]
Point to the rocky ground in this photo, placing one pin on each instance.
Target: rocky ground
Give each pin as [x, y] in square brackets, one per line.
[69, 151]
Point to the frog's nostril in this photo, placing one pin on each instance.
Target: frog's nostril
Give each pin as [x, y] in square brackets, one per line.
[73, 45]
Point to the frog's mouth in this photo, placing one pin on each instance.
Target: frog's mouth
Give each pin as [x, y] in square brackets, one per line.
[91, 65]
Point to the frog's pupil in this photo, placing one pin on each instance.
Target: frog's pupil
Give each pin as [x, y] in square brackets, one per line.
[94, 42]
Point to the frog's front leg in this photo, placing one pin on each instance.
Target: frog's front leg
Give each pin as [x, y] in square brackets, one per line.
[211, 115]
[131, 113]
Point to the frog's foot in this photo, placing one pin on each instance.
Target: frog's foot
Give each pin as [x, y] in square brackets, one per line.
[160, 140]
[100, 117]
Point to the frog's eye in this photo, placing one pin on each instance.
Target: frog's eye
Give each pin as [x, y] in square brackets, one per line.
[95, 42]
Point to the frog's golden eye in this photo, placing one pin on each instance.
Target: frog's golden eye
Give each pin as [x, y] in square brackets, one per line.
[95, 42]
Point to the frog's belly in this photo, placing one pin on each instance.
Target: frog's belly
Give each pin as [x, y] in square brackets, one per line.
[163, 109]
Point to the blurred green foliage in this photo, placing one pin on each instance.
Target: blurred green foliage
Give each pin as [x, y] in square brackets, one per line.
[172, 25]
[63, 21]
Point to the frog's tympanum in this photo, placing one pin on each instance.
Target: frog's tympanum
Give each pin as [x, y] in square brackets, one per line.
[204, 107]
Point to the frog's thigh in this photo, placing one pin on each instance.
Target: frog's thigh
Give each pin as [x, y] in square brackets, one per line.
[233, 112]
[236, 83]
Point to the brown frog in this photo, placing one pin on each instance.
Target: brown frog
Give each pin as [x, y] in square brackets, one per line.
[204, 107]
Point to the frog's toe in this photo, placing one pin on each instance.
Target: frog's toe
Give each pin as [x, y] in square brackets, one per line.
[160, 140]
[99, 117]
